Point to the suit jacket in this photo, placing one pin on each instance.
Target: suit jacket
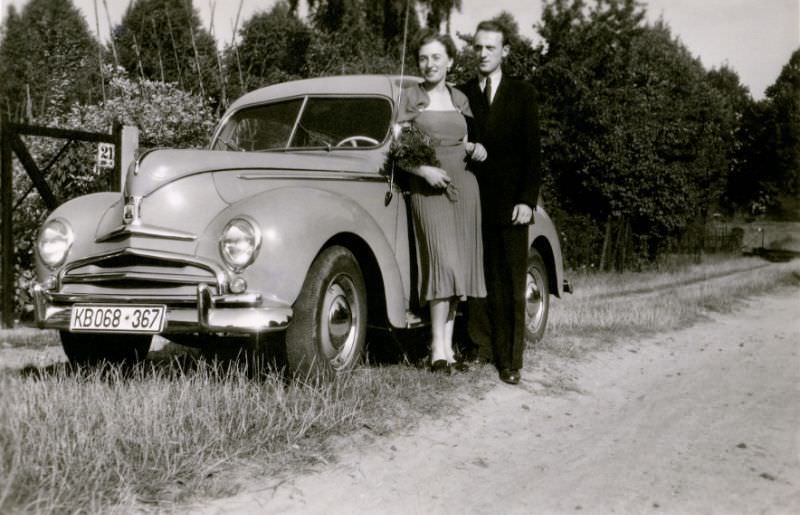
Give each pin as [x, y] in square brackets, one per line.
[509, 130]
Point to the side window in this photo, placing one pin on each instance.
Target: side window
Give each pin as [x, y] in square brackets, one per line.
[343, 122]
[259, 128]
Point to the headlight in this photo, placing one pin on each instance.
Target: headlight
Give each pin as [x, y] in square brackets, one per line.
[239, 243]
[55, 240]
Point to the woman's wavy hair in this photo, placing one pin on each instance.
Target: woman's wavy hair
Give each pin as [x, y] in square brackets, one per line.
[429, 36]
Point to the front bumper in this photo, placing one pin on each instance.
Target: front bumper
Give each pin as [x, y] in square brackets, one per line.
[235, 314]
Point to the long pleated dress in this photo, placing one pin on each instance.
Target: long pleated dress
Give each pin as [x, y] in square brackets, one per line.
[448, 224]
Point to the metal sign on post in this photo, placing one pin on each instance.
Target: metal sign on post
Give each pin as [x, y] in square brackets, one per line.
[105, 155]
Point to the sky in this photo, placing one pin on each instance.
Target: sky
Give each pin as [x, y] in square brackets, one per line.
[753, 37]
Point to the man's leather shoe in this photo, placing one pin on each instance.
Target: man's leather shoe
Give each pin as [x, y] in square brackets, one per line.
[509, 376]
[459, 366]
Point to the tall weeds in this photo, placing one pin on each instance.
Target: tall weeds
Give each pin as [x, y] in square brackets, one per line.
[83, 441]
[612, 304]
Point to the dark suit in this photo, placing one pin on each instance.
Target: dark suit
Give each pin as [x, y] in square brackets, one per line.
[511, 175]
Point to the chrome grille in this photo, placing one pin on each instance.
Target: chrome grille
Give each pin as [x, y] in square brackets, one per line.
[142, 271]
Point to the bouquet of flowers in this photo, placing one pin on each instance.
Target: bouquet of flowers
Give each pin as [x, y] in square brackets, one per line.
[410, 148]
[413, 147]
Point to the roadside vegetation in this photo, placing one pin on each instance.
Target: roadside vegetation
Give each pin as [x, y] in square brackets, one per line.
[179, 429]
[28, 337]
[613, 305]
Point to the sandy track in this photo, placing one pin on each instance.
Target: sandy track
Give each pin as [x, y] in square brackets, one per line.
[703, 420]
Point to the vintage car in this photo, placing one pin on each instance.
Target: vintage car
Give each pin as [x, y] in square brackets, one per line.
[287, 223]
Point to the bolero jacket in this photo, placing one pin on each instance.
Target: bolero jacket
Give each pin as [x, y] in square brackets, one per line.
[414, 99]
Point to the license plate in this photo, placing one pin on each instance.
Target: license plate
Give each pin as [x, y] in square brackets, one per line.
[123, 319]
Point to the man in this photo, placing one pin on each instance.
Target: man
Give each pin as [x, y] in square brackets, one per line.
[506, 123]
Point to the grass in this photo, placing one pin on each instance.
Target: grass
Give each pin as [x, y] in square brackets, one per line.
[27, 337]
[606, 284]
[83, 441]
[178, 429]
[606, 307]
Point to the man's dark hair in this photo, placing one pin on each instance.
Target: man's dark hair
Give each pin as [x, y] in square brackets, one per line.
[429, 36]
[493, 26]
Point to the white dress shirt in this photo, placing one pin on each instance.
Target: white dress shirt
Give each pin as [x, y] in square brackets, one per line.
[496, 76]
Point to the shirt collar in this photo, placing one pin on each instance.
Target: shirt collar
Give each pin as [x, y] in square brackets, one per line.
[496, 76]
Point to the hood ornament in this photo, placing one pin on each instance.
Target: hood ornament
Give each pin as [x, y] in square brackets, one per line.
[132, 212]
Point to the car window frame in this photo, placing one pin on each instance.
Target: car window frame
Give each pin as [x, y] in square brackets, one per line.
[305, 99]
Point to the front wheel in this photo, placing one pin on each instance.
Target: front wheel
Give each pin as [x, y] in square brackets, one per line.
[329, 328]
[92, 349]
[537, 297]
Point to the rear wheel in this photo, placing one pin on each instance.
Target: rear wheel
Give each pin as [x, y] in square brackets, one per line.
[329, 328]
[91, 349]
[537, 297]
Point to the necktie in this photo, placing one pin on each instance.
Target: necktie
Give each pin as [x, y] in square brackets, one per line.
[487, 91]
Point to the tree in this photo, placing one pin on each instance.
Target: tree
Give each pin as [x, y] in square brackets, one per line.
[767, 176]
[48, 59]
[385, 18]
[440, 11]
[735, 108]
[747, 190]
[635, 135]
[783, 101]
[341, 36]
[272, 48]
[164, 40]
[359, 36]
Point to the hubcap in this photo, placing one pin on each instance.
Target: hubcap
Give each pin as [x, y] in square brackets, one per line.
[534, 301]
[340, 335]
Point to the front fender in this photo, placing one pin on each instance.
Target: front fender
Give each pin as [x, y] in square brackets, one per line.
[296, 223]
[82, 214]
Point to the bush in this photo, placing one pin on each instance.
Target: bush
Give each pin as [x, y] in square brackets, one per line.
[165, 115]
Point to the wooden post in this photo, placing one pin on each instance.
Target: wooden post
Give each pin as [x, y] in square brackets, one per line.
[606, 245]
[7, 240]
[116, 133]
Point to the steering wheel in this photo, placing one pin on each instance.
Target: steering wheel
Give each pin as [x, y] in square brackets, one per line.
[353, 141]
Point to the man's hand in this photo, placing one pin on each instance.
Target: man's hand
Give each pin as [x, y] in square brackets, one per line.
[478, 153]
[522, 214]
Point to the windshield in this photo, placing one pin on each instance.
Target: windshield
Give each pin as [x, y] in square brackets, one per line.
[324, 122]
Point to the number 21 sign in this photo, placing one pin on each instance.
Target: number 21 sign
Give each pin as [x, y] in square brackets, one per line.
[105, 155]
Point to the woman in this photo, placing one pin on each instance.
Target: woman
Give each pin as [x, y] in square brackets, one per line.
[444, 200]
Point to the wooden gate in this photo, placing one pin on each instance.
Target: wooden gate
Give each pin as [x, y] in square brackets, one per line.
[12, 144]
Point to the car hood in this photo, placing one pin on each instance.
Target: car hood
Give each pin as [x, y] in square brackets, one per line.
[157, 168]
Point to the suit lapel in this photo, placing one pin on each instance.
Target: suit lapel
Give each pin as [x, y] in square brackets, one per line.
[477, 101]
[498, 100]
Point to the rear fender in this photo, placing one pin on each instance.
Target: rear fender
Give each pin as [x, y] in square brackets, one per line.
[543, 237]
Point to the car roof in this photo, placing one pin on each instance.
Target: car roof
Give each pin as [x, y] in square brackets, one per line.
[385, 85]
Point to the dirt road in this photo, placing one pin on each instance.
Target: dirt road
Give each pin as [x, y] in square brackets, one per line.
[704, 420]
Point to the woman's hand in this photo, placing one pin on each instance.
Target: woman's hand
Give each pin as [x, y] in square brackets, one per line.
[477, 152]
[435, 176]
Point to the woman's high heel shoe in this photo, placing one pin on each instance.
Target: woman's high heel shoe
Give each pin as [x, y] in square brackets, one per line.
[440, 366]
